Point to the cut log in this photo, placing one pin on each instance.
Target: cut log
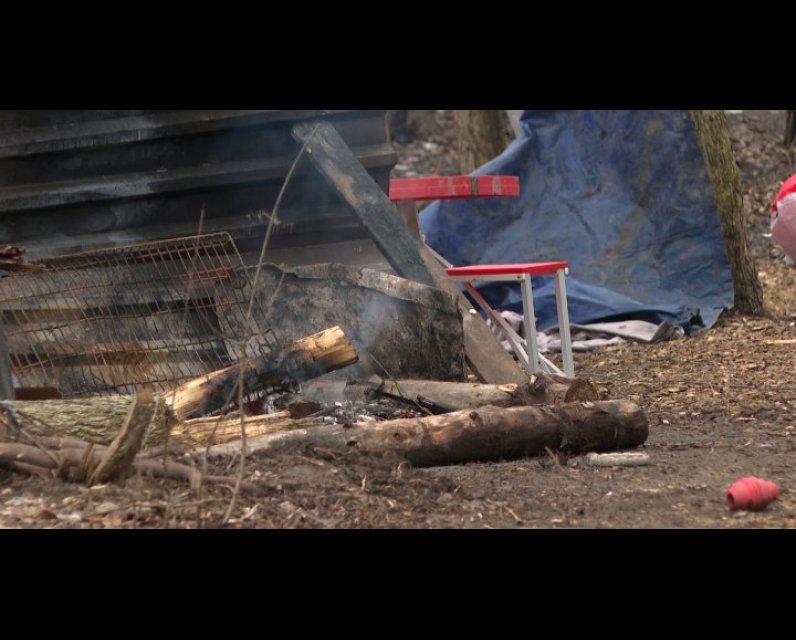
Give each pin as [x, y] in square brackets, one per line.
[459, 395]
[96, 419]
[69, 424]
[302, 360]
[488, 433]
[410, 259]
[544, 389]
[202, 432]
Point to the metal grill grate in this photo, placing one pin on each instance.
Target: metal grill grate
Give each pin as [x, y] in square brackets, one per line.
[108, 321]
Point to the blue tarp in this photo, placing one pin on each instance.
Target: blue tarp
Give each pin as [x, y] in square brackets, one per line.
[623, 196]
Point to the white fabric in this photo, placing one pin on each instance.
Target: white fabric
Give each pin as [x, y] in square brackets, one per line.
[586, 337]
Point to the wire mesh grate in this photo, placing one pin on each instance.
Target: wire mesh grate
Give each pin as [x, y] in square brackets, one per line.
[111, 320]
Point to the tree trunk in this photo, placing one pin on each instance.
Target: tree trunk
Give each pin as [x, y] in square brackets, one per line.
[481, 136]
[488, 433]
[714, 138]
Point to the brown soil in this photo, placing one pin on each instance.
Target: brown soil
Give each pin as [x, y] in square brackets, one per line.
[721, 405]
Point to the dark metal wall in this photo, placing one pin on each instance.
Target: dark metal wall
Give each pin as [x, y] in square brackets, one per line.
[73, 180]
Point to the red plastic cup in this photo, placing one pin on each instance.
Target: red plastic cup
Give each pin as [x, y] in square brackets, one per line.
[751, 493]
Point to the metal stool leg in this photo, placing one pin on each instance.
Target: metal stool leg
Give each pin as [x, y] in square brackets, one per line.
[563, 324]
[530, 325]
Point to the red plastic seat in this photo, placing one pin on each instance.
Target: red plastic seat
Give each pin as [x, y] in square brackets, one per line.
[407, 191]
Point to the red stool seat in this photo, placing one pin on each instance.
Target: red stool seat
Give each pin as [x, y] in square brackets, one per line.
[486, 270]
[407, 191]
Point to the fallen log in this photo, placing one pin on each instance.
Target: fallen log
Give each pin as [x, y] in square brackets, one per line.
[302, 360]
[544, 389]
[65, 424]
[488, 433]
[95, 419]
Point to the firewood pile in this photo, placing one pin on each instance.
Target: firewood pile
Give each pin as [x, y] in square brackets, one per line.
[117, 435]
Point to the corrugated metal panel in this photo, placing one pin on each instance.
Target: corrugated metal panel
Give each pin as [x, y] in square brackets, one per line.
[73, 180]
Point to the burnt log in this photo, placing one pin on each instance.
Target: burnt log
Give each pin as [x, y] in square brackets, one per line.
[301, 360]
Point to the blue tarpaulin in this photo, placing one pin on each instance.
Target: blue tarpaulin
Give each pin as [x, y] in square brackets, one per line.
[623, 196]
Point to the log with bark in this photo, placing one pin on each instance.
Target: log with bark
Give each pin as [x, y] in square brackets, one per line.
[101, 420]
[488, 433]
[543, 389]
[302, 360]
[29, 446]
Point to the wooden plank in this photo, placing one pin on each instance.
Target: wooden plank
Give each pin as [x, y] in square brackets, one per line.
[346, 175]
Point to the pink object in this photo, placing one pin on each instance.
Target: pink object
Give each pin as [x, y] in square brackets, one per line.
[783, 218]
[751, 493]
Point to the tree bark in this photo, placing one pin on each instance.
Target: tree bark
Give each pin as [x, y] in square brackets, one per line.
[481, 136]
[121, 453]
[714, 138]
[488, 433]
[790, 128]
[302, 360]
[70, 424]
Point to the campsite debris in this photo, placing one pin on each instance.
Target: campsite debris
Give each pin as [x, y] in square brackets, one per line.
[436, 408]
[78, 460]
[410, 259]
[111, 321]
[415, 331]
[11, 260]
[301, 360]
[751, 493]
[618, 459]
[487, 433]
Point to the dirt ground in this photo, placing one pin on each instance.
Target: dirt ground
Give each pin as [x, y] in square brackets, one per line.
[721, 405]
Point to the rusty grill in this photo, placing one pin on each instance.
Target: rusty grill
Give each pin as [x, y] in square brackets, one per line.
[110, 320]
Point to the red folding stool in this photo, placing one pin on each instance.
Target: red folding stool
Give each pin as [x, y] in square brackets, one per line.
[407, 191]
